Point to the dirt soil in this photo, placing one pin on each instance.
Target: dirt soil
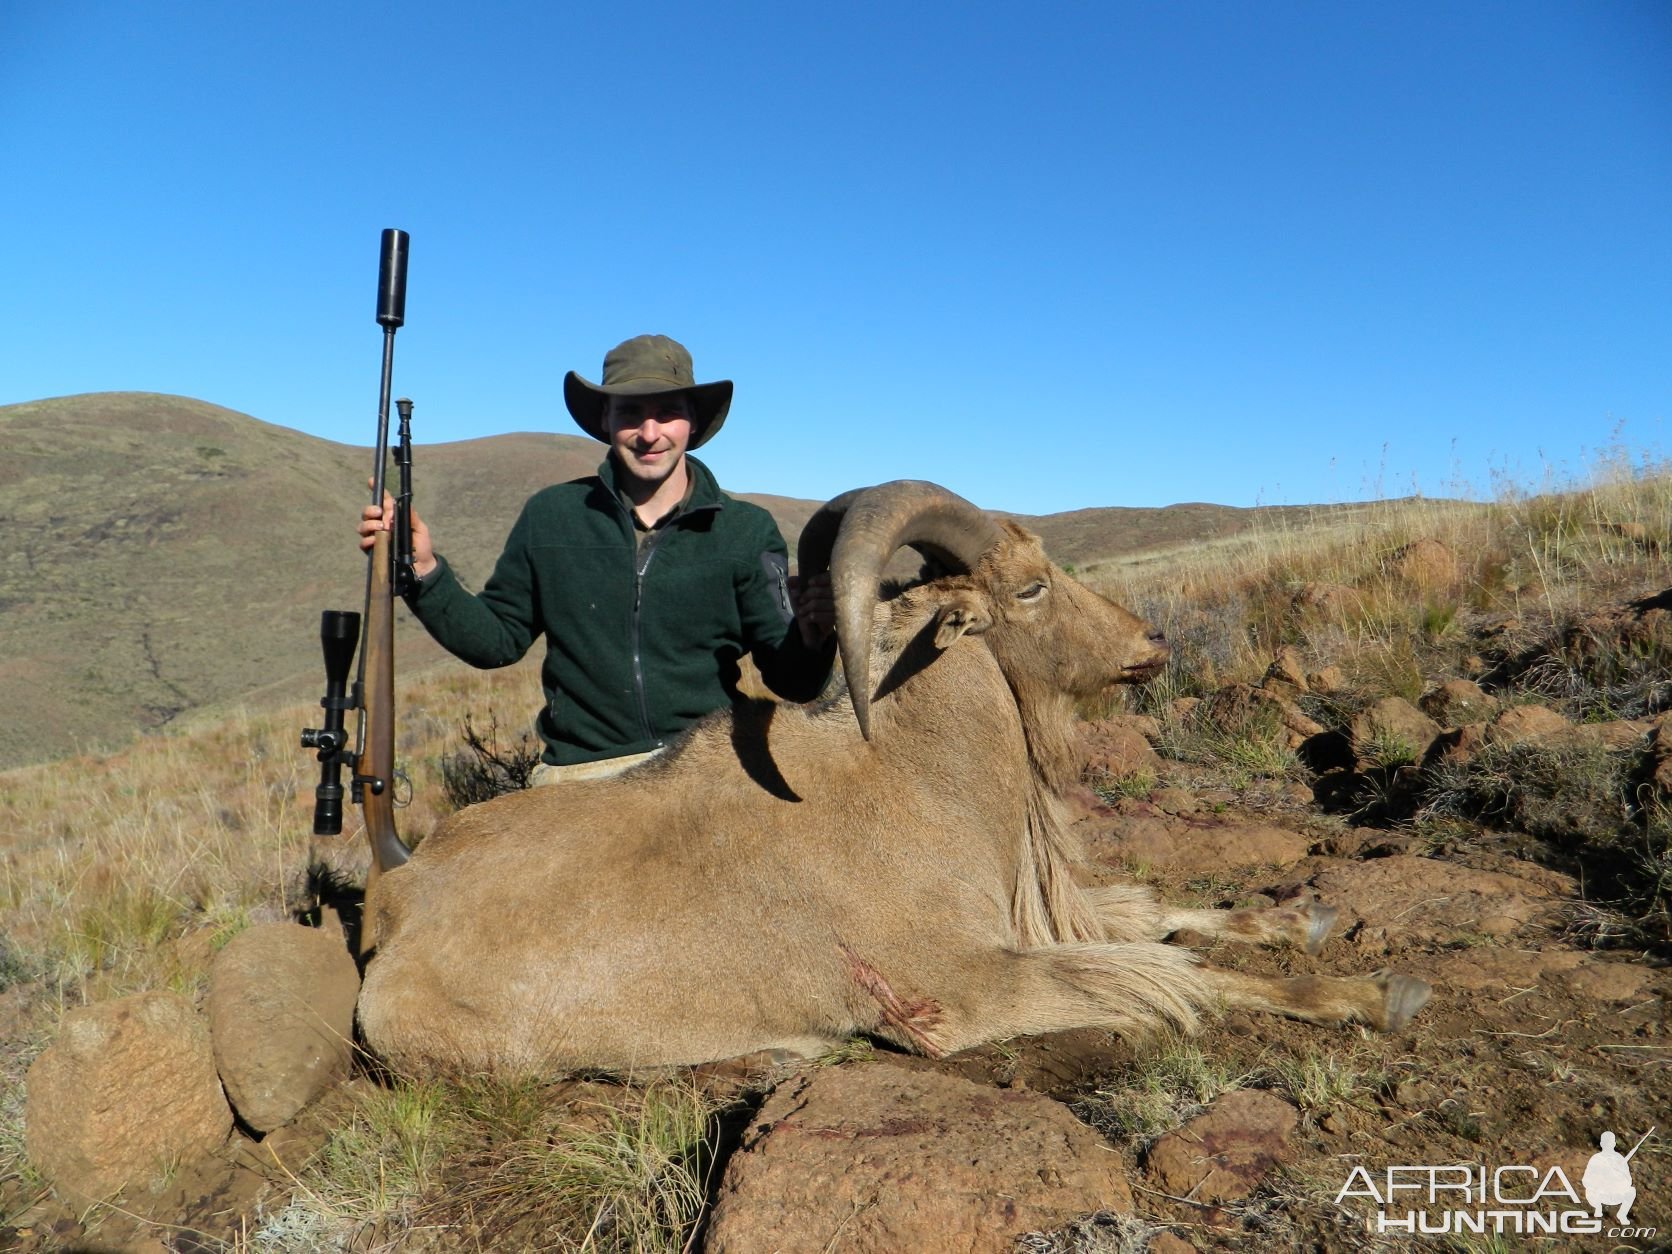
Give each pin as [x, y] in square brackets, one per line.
[1534, 1044]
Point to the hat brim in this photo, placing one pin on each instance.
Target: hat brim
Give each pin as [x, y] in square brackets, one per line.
[589, 404]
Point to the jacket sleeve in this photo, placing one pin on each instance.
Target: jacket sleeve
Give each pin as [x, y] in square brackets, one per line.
[494, 627]
[792, 670]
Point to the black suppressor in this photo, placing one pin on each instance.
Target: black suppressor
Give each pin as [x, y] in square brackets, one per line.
[391, 279]
[339, 634]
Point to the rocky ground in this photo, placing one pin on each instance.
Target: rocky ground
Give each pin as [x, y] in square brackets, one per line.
[1548, 1027]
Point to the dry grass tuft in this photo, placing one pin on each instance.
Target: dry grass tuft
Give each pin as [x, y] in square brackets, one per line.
[1319, 1081]
[1168, 1082]
[508, 1165]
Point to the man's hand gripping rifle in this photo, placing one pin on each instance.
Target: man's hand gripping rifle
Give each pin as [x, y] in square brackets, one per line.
[389, 575]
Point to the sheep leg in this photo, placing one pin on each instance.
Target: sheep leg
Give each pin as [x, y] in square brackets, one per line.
[1385, 1001]
[995, 994]
[1128, 912]
[1306, 925]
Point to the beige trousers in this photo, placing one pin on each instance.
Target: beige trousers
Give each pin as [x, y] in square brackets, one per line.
[546, 773]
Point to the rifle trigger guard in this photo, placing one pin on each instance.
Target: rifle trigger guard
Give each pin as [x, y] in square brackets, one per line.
[403, 790]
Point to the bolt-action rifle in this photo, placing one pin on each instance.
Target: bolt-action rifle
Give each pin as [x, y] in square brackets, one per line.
[389, 575]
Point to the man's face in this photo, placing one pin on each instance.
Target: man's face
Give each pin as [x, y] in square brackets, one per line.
[649, 434]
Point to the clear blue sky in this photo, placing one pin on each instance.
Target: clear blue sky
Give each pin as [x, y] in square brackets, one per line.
[1051, 255]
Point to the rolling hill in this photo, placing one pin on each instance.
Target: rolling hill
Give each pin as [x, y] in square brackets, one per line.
[165, 555]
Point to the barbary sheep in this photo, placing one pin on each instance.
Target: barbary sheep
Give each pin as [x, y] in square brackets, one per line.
[892, 861]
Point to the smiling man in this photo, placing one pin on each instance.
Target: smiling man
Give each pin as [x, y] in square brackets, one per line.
[646, 581]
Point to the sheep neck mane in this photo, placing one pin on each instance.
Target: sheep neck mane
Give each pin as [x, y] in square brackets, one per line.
[1048, 906]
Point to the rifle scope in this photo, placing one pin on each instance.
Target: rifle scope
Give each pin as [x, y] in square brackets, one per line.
[339, 635]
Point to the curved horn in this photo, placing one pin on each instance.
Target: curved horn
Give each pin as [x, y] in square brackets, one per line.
[818, 537]
[856, 534]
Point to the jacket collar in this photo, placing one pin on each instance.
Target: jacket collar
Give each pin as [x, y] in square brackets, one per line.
[705, 489]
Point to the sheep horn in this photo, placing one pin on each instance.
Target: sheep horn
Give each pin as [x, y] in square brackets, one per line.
[856, 534]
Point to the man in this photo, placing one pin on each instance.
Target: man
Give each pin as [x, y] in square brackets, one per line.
[647, 582]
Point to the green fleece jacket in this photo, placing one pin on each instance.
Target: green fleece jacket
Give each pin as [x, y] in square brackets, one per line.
[641, 639]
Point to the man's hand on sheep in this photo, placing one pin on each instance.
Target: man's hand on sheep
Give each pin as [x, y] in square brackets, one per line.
[815, 608]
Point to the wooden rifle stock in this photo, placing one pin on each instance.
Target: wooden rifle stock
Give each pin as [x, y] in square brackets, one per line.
[374, 769]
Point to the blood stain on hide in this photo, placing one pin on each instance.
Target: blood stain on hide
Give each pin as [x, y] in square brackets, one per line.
[916, 1019]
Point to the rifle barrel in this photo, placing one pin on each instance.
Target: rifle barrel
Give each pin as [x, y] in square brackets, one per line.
[1639, 1144]
[391, 313]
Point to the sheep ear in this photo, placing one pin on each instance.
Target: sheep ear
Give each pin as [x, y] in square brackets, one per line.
[958, 616]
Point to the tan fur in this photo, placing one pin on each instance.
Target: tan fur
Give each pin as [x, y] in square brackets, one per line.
[778, 882]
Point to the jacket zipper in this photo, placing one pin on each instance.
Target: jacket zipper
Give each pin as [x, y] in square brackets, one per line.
[639, 569]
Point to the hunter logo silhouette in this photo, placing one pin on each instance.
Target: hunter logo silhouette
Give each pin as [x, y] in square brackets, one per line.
[1607, 1178]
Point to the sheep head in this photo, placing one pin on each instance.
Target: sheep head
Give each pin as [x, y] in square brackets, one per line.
[1044, 626]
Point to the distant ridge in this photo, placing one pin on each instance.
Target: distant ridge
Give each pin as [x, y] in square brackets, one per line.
[164, 555]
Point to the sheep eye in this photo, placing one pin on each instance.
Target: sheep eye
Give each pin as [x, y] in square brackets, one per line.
[1032, 594]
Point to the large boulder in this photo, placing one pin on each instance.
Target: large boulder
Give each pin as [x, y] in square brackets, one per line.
[126, 1092]
[886, 1157]
[281, 1014]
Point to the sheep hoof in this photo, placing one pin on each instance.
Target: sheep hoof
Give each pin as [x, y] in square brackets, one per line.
[1320, 923]
[1403, 996]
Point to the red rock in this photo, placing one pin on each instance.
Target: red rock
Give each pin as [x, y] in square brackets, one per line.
[1194, 846]
[281, 1015]
[885, 1157]
[127, 1090]
[1426, 564]
[1527, 724]
[1422, 899]
[1458, 701]
[1115, 748]
[1225, 1154]
[1392, 726]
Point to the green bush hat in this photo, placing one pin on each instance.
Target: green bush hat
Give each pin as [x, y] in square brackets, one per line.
[647, 365]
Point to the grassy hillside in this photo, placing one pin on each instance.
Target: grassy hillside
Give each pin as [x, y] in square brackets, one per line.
[127, 872]
[167, 556]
